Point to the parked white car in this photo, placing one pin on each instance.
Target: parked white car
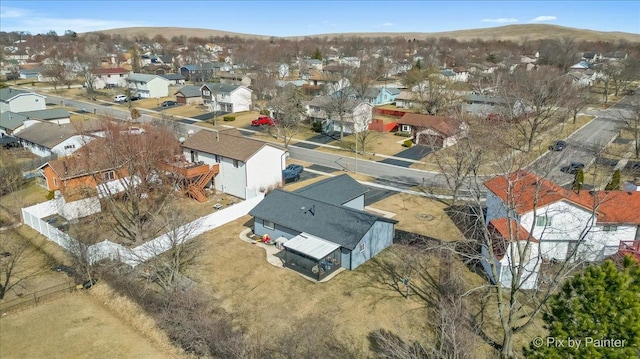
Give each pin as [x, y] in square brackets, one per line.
[120, 98]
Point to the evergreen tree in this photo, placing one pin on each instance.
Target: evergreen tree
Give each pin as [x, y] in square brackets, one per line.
[614, 185]
[317, 55]
[578, 180]
[601, 304]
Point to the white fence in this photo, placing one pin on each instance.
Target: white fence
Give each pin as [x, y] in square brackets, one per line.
[106, 249]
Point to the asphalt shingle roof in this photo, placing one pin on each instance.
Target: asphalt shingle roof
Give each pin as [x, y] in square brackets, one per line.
[339, 224]
[48, 114]
[173, 76]
[333, 190]
[190, 91]
[11, 120]
[230, 144]
[220, 88]
[8, 93]
[142, 77]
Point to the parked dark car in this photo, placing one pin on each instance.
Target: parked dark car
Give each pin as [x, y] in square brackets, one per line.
[134, 98]
[290, 176]
[572, 168]
[295, 168]
[169, 104]
[558, 146]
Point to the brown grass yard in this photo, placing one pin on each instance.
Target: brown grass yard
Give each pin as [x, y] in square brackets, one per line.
[29, 195]
[74, 326]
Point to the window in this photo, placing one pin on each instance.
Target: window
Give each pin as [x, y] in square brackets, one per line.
[610, 228]
[361, 247]
[55, 182]
[268, 224]
[69, 147]
[206, 93]
[406, 128]
[235, 163]
[218, 158]
[109, 176]
[543, 221]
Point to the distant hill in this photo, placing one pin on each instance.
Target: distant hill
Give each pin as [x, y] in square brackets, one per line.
[509, 32]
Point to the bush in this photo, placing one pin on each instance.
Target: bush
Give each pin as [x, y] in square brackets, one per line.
[265, 112]
[407, 143]
[403, 134]
[316, 127]
[229, 118]
[51, 195]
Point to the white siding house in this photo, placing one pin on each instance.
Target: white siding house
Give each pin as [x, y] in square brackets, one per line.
[565, 224]
[247, 166]
[226, 98]
[20, 101]
[148, 86]
[112, 77]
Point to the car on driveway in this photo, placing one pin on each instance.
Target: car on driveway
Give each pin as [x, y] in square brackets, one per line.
[262, 120]
[558, 146]
[120, 98]
[295, 168]
[573, 168]
[169, 104]
[290, 176]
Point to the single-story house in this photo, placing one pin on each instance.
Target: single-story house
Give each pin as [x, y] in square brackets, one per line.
[45, 139]
[226, 98]
[15, 100]
[380, 96]
[29, 74]
[406, 99]
[246, 166]
[148, 86]
[322, 229]
[435, 131]
[110, 77]
[14, 122]
[189, 95]
[174, 79]
[565, 224]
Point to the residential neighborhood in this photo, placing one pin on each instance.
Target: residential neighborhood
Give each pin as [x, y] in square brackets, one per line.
[186, 192]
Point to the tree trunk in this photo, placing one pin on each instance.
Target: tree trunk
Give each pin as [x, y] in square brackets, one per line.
[507, 352]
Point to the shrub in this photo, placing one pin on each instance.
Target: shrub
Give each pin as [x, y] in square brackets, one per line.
[316, 127]
[407, 143]
[403, 134]
[265, 112]
[51, 195]
[229, 118]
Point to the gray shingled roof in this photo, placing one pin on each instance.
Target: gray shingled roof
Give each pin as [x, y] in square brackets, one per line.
[142, 77]
[47, 134]
[8, 93]
[173, 76]
[220, 88]
[339, 224]
[334, 190]
[11, 120]
[229, 143]
[48, 114]
[190, 91]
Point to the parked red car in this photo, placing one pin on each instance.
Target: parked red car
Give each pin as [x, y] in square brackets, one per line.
[262, 120]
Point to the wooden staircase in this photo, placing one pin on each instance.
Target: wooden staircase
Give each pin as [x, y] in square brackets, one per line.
[631, 248]
[195, 186]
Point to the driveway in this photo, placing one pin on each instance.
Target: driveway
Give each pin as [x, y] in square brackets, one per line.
[204, 116]
[395, 162]
[415, 152]
[376, 194]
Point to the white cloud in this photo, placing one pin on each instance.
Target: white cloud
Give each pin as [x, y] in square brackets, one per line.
[543, 18]
[387, 24]
[12, 13]
[501, 20]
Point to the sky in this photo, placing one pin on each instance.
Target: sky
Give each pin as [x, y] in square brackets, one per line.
[299, 18]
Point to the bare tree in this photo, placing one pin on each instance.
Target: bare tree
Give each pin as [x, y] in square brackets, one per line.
[88, 61]
[15, 266]
[579, 98]
[57, 74]
[535, 100]
[288, 112]
[631, 119]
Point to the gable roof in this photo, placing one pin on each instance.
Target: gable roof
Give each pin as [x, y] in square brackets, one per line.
[8, 93]
[190, 91]
[529, 191]
[448, 126]
[47, 134]
[228, 143]
[11, 120]
[220, 88]
[47, 114]
[334, 190]
[78, 164]
[143, 77]
[339, 224]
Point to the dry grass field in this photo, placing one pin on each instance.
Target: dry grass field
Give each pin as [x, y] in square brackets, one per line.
[508, 32]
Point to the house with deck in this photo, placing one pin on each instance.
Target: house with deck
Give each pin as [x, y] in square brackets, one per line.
[323, 227]
[563, 224]
[246, 166]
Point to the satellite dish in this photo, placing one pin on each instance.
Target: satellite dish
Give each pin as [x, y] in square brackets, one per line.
[181, 139]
